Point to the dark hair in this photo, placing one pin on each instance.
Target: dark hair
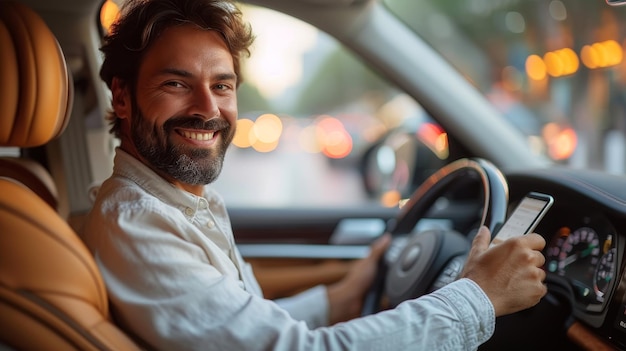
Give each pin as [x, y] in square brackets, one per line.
[142, 21]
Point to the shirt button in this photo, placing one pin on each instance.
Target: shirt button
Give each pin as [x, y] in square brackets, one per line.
[210, 224]
[203, 204]
[189, 211]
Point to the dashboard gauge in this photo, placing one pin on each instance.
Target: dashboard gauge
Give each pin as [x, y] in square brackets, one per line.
[575, 255]
[586, 258]
[579, 252]
[604, 274]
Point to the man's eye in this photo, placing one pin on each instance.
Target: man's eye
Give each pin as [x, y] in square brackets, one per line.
[173, 84]
[222, 87]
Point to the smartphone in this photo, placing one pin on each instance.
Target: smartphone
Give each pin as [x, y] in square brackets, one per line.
[616, 2]
[525, 217]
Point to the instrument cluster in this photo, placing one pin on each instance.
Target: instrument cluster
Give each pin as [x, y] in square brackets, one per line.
[584, 253]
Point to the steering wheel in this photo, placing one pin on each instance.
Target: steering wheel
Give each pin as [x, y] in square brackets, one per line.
[419, 263]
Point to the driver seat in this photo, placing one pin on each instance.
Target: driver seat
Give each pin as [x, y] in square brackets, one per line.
[52, 296]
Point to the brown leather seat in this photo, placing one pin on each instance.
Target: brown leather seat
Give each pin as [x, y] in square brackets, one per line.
[33, 175]
[52, 296]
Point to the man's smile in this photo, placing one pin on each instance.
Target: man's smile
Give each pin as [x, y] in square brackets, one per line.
[197, 135]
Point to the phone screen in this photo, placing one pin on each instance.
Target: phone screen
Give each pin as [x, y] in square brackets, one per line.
[525, 217]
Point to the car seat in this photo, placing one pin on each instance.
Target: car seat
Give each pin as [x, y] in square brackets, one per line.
[33, 175]
[52, 296]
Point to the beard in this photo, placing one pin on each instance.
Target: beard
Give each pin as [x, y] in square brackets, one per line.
[185, 163]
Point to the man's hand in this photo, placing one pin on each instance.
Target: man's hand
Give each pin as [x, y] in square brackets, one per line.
[509, 273]
[346, 297]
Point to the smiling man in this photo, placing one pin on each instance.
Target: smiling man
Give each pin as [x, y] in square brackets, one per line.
[191, 103]
[162, 238]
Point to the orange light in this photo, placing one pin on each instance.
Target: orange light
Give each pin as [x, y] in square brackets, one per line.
[243, 132]
[561, 62]
[589, 56]
[108, 14]
[565, 144]
[268, 128]
[329, 124]
[570, 60]
[561, 142]
[535, 67]
[333, 138]
[614, 52]
[391, 198]
[550, 130]
[429, 132]
[261, 146]
[554, 64]
[602, 54]
[435, 138]
[441, 146]
[338, 144]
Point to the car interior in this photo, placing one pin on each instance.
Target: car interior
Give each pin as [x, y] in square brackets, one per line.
[53, 297]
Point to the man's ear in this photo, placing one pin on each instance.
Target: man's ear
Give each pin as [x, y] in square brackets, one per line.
[121, 98]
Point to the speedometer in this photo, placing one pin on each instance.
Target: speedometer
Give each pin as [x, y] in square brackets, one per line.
[584, 257]
[579, 252]
[575, 255]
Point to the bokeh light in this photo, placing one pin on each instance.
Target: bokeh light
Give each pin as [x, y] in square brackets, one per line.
[243, 133]
[268, 128]
[535, 67]
[561, 141]
[108, 14]
[435, 138]
[391, 198]
[332, 136]
[561, 62]
[263, 135]
[602, 54]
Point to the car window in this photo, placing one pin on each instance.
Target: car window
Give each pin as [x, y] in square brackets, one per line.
[310, 112]
[555, 69]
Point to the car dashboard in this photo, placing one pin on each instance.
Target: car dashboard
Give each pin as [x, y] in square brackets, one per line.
[585, 232]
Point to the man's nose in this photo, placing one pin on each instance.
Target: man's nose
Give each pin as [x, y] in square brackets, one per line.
[205, 104]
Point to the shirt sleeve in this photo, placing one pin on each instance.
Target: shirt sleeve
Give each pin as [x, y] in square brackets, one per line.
[166, 292]
[299, 306]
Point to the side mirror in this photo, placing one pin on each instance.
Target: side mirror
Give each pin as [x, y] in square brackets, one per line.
[394, 166]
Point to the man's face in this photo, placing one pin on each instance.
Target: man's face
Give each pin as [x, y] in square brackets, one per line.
[185, 107]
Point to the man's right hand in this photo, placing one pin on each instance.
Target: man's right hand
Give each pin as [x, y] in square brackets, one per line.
[510, 273]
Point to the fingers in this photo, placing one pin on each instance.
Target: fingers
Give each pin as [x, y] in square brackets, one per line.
[541, 287]
[540, 259]
[530, 246]
[481, 240]
[535, 241]
[380, 245]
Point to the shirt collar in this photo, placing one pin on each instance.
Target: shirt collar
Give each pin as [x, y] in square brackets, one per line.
[127, 166]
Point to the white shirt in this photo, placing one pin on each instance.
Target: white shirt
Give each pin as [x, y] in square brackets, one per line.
[177, 282]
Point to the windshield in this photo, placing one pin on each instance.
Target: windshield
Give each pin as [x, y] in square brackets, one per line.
[554, 69]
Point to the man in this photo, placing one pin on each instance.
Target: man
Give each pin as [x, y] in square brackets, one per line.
[162, 237]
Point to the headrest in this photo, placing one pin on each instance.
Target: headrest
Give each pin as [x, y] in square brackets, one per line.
[36, 97]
